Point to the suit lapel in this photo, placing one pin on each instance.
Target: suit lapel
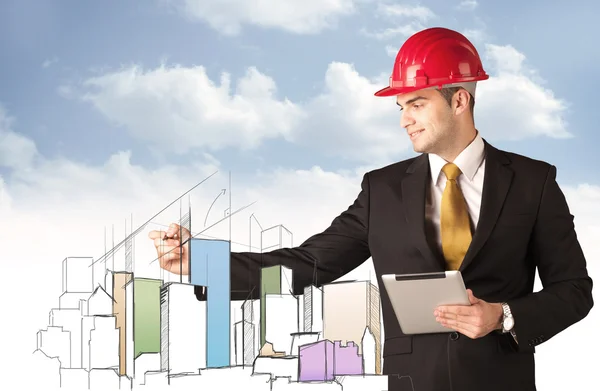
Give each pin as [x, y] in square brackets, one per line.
[495, 188]
[414, 187]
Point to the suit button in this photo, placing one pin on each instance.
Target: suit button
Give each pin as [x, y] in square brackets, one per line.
[454, 336]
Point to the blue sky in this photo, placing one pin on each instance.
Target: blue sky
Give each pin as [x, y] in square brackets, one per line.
[110, 109]
[82, 41]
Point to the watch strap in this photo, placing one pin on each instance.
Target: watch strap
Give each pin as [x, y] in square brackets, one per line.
[506, 313]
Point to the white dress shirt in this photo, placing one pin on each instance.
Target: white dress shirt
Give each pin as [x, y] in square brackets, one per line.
[471, 162]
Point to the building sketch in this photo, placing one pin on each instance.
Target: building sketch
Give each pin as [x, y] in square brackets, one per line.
[209, 267]
[349, 308]
[116, 330]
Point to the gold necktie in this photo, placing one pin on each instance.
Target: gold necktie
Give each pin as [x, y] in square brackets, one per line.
[455, 224]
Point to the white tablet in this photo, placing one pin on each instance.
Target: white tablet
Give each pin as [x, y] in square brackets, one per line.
[415, 297]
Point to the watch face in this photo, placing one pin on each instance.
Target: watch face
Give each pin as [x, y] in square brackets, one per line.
[508, 323]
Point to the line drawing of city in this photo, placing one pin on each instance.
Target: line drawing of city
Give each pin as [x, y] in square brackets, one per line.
[115, 330]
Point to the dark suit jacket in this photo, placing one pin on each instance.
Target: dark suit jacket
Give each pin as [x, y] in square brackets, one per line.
[524, 224]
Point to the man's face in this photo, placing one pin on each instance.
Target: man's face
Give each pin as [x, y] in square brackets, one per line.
[428, 120]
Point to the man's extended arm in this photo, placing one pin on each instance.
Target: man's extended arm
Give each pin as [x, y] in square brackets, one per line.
[567, 294]
[322, 258]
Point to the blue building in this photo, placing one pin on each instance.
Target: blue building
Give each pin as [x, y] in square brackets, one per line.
[210, 267]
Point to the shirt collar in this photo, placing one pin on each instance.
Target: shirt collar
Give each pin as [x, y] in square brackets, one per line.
[468, 160]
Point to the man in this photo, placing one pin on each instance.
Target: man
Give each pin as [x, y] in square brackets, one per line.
[462, 204]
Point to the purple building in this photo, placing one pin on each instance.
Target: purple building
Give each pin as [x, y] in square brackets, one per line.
[346, 359]
[316, 361]
[322, 360]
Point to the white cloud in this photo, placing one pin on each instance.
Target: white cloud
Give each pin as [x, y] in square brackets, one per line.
[404, 30]
[514, 104]
[351, 122]
[15, 149]
[506, 59]
[78, 199]
[49, 62]
[391, 51]
[476, 36]
[5, 200]
[229, 16]
[406, 20]
[468, 5]
[393, 11]
[180, 108]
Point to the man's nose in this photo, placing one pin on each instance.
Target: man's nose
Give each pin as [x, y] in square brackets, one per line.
[406, 120]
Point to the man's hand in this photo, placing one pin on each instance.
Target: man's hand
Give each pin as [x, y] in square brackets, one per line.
[475, 321]
[172, 256]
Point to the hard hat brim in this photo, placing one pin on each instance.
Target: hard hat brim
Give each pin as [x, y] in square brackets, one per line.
[389, 91]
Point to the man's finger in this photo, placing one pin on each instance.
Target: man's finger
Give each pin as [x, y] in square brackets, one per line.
[451, 317]
[456, 309]
[173, 229]
[464, 328]
[160, 243]
[156, 234]
[170, 257]
[462, 323]
[174, 267]
[171, 265]
[472, 297]
[171, 251]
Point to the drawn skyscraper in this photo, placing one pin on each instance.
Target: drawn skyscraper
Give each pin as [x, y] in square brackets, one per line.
[183, 330]
[313, 309]
[274, 280]
[209, 267]
[120, 281]
[349, 308]
[146, 313]
[249, 338]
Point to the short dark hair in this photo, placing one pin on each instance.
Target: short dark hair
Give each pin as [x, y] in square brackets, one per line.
[448, 93]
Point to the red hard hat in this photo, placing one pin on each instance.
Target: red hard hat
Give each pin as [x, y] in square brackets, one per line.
[434, 57]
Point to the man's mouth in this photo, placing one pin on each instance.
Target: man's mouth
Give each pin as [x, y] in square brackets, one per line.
[415, 134]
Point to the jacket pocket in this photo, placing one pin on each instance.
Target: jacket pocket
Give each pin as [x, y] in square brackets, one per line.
[398, 345]
[507, 345]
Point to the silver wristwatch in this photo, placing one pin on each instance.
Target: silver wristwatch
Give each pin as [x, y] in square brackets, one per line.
[508, 322]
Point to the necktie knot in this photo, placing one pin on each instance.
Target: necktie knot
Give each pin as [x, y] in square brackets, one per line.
[451, 171]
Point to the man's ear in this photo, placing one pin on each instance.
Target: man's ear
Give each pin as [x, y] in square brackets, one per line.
[460, 101]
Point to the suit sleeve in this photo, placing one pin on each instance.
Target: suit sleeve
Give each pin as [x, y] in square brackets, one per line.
[322, 258]
[566, 297]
